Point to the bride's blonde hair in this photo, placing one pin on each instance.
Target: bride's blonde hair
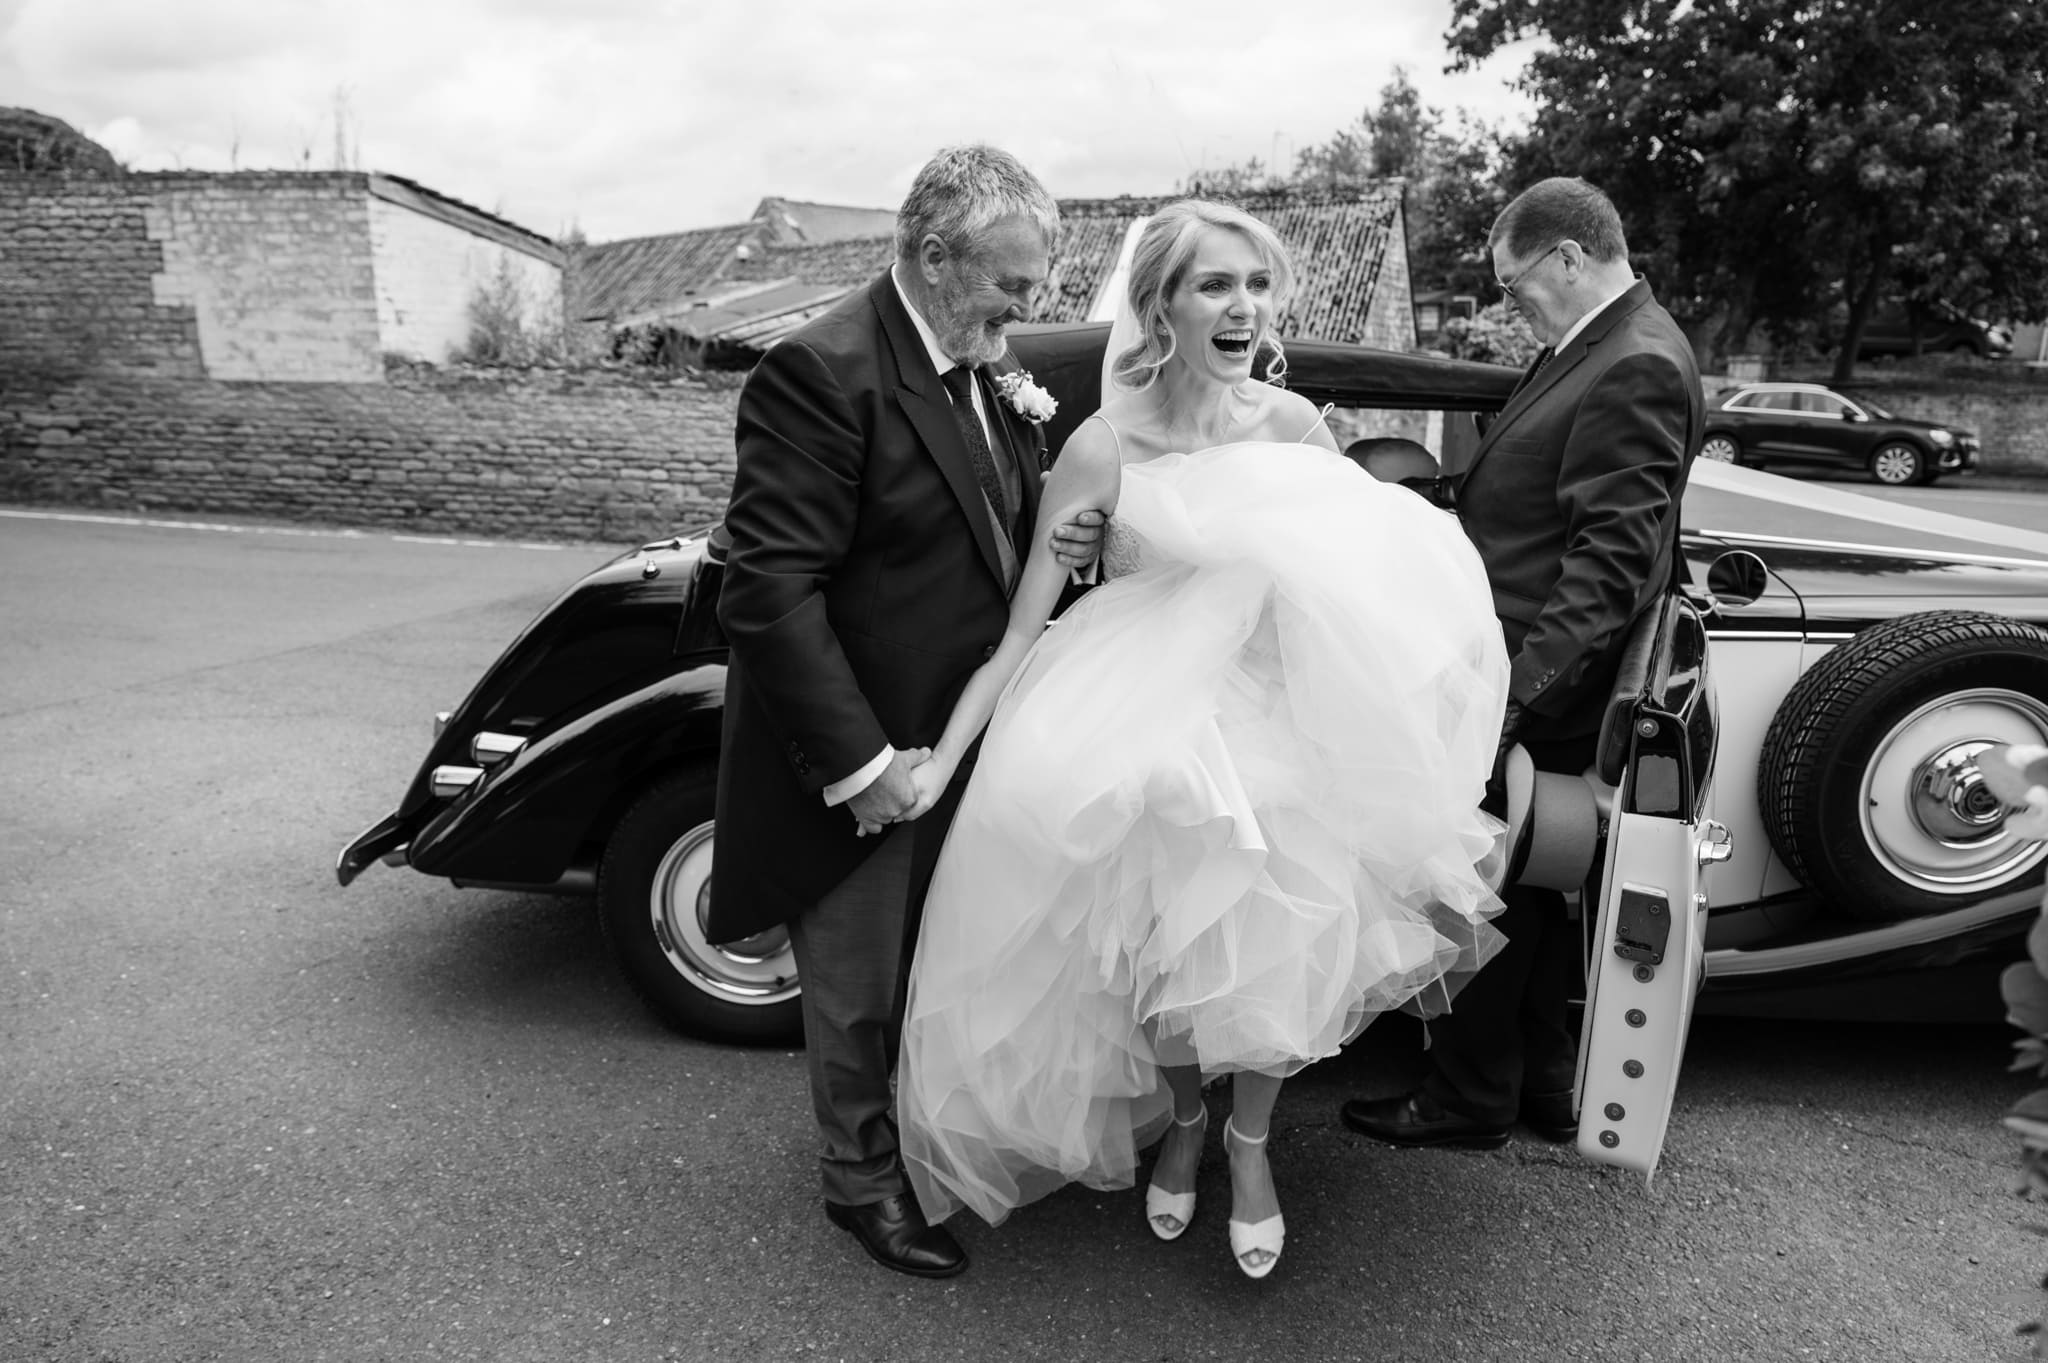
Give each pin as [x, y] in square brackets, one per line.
[1159, 261]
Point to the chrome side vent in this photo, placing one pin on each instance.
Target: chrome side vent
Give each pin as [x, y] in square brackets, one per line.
[490, 749]
[450, 781]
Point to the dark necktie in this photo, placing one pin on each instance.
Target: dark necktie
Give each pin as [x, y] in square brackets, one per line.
[959, 381]
[1543, 357]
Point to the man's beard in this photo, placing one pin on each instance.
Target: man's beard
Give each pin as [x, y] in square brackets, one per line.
[963, 333]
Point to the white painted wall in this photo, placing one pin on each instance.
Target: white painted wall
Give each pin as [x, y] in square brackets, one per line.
[426, 273]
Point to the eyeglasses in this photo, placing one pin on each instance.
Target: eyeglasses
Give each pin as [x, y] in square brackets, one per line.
[1507, 287]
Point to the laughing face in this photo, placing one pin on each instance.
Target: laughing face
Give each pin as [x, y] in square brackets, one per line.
[976, 294]
[1223, 306]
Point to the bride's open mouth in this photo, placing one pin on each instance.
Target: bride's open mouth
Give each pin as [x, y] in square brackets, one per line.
[1233, 342]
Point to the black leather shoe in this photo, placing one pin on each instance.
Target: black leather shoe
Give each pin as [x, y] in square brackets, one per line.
[1550, 1115]
[896, 1235]
[1418, 1119]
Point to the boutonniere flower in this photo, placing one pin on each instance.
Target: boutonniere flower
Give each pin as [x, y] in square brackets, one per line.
[1025, 397]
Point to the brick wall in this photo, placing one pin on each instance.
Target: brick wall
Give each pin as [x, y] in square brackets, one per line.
[600, 456]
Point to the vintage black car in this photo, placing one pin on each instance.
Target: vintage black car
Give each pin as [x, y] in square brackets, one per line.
[1804, 424]
[1862, 654]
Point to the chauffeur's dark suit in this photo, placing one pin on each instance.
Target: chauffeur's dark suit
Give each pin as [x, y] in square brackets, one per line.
[863, 587]
[1571, 498]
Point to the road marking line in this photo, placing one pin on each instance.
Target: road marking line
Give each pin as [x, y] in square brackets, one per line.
[222, 528]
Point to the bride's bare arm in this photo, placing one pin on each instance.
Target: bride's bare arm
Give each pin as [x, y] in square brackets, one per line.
[1085, 478]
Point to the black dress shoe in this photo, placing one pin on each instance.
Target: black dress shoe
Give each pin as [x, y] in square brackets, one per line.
[1550, 1115]
[1418, 1119]
[896, 1235]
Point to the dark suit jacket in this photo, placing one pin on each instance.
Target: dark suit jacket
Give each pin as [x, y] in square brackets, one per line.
[862, 589]
[1572, 500]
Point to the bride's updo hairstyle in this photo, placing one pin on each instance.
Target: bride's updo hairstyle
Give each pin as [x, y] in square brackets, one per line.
[1160, 260]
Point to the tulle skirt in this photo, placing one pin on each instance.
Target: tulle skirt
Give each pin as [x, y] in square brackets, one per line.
[1225, 814]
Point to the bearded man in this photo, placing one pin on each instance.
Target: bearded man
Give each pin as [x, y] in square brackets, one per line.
[883, 501]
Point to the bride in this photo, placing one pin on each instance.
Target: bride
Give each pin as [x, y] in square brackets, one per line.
[1226, 811]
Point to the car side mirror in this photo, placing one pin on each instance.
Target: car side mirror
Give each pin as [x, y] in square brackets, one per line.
[1855, 415]
[1737, 578]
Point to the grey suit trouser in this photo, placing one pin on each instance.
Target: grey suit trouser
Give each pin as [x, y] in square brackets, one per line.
[853, 956]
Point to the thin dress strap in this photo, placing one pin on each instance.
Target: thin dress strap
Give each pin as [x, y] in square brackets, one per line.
[1097, 416]
[1312, 429]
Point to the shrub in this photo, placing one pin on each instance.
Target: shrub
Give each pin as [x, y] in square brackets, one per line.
[1496, 334]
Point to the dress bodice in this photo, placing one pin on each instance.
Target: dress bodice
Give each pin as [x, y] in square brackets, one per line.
[1123, 547]
[1123, 551]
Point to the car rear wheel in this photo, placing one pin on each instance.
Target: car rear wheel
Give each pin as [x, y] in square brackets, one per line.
[1897, 464]
[1722, 449]
[652, 889]
[1868, 782]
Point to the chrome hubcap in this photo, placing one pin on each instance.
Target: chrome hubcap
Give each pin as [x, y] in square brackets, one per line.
[1897, 465]
[1721, 451]
[1927, 814]
[759, 970]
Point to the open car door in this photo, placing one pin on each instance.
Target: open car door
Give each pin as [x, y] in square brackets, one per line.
[1647, 935]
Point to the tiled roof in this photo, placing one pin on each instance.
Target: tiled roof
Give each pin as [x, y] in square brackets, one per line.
[1338, 243]
[647, 274]
[848, 263]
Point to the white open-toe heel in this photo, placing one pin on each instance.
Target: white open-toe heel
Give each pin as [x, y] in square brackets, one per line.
[1254, 1244]
[1167, 1213]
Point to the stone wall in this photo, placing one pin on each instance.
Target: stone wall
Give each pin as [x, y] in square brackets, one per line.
[2005, 404]
[602, 456]
[77, 263]
[277, 269]
[257, 275]
[1390, 317]
[427, 272]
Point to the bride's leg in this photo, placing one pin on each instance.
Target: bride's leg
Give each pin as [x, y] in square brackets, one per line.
[1180, 1149]
[1252, 1195]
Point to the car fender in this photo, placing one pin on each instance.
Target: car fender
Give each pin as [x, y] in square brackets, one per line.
[1753, 670]
[540, 818]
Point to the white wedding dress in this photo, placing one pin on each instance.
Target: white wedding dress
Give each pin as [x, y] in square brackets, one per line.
[1224, 815]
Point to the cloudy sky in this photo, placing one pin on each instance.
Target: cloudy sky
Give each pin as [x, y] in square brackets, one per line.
[631, 117]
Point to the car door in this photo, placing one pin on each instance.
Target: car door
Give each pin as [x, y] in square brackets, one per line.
[1647, 940]
[1811, 427]
[1769, 427]
[1830, 430]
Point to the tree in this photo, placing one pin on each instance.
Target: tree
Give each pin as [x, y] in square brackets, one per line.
[1452, 180]
[1774, 158]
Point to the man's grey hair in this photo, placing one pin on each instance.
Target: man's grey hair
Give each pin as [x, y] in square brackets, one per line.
[962, 191]
[1562, 208]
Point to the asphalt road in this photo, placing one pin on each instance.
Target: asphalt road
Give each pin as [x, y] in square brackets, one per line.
[248, 1115]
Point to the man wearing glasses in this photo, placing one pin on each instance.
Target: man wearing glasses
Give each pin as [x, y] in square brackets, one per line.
[1571, 499]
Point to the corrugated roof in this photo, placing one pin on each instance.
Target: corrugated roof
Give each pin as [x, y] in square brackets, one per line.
[794, 222]
[735, 313]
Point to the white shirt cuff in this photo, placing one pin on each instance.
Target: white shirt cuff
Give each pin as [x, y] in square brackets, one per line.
[844, 789]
